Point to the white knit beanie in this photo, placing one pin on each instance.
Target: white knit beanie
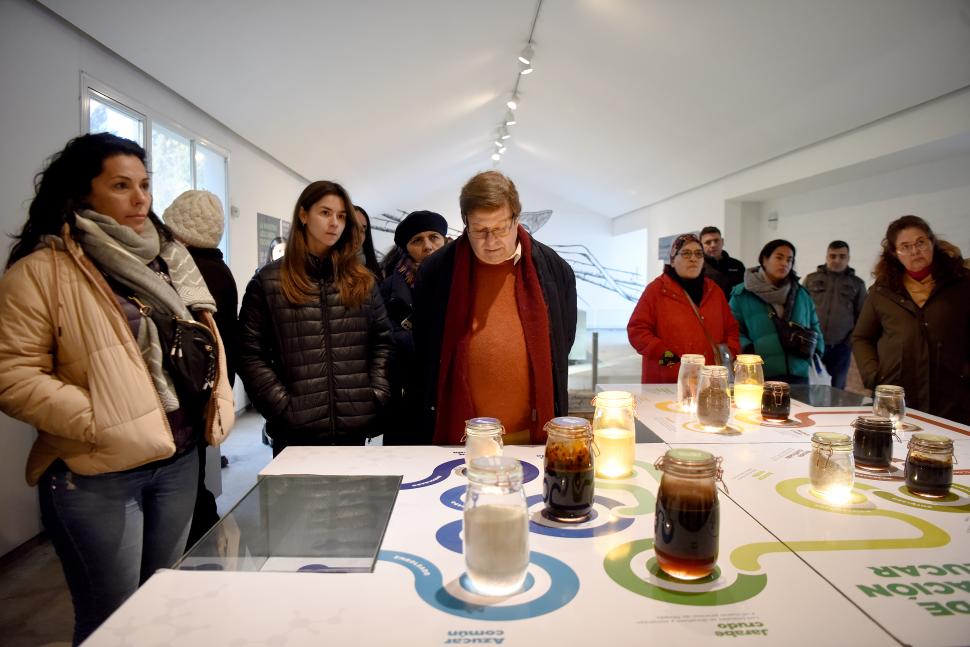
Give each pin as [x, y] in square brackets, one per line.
[196, 217]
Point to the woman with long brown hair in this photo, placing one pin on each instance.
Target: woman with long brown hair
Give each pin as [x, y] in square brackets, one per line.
[913, 329]
[315, 339]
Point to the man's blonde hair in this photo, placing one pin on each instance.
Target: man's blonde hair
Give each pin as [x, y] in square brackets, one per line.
[489, 190]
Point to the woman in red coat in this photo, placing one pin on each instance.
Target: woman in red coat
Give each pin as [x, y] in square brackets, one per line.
[667, 322]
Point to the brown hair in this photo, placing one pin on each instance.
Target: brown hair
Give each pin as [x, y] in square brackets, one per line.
[351, 276]
[947, 261]
[489, 190]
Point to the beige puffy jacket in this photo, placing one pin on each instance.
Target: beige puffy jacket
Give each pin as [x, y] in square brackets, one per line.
[70, 366]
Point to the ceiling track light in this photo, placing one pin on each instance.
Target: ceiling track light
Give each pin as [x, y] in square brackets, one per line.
[503, 133]
[496, 156]
[509, 118]
[525, 57]
[528, 70]
[502, 150]
[513, 103]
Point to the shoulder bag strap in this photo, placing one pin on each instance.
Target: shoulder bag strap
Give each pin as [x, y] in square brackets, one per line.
[717, 353]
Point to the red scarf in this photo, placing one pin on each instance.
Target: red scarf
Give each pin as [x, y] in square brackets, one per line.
[922, 274]
[454, 399]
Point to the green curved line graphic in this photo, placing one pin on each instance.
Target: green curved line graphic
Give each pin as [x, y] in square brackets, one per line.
[653, 471]
[645, 498]
[747, 557]
[617, 565]
[923, 504]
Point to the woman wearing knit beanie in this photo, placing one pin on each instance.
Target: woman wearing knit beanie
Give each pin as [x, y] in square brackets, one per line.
[197, 220]
[315, 342]
[418, 236]
[681, 312]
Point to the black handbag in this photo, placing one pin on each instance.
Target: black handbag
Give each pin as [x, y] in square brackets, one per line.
[795, 338]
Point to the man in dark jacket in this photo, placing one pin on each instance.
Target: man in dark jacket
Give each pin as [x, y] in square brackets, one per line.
[196, 218]
[494, 319]
[718, 264]
[839, 296]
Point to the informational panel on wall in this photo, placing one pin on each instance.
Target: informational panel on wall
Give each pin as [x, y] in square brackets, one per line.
[267, 229]
[664, 243]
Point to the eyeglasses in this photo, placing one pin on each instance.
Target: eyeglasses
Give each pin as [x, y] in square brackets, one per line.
[919, 246]
[688, 254]
[501, 230]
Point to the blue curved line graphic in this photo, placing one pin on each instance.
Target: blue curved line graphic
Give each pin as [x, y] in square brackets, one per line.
[449, 536]
[428, 584]
[439, 474]
[529, 473]
[454, 498]
[616, 524]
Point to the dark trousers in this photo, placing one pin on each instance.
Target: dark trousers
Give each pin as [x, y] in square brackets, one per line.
[113, 531]
[836, 360]
[206, 513]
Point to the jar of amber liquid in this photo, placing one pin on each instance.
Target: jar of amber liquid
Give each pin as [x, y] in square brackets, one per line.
[614, 430]
[749, 380]
[567, 485]
[713, 399]
[872, 442]
[687, 517]
[776, 402]
[929, 465]
[483, 437]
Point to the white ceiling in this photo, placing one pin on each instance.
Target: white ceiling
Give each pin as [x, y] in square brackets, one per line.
[632, 100]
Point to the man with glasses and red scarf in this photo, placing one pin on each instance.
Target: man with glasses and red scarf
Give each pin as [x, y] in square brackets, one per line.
[494, 319]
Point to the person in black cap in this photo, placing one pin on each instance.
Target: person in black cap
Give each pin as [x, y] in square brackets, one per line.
[418, 236]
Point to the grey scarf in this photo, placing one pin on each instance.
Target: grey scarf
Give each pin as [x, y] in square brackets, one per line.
[757, 283]
[124, 254]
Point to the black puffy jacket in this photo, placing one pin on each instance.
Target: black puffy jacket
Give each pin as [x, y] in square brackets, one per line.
[318, 374]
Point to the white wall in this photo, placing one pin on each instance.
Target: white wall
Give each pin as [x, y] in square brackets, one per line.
[859, 211]
[41, 60]
[734, 202]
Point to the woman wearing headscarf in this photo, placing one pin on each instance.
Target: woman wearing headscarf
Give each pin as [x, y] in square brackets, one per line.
[914, 329]
[314, 337]
[109, 348]
[681, 312]
[418, 236]
[771, 295]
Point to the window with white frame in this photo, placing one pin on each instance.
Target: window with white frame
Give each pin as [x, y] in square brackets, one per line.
[179, 159]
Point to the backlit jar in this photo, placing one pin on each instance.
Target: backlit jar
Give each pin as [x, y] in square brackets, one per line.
[776, 402]
[483, 437]
[567, 485]
[614, 431]
[687, 513]
[749, 380]
[831, 467]
[929, 465]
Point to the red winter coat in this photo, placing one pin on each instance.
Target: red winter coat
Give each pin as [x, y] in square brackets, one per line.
[664, 320]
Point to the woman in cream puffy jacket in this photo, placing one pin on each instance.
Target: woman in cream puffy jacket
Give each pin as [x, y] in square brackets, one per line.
[91, 287]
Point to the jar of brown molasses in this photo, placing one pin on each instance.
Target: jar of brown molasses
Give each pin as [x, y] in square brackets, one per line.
[687, 517]
[872, 442]
[929, 465]
[776, 402]
[567, 486]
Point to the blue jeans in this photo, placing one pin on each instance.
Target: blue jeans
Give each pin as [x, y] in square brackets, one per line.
[836, 360]
[112, 531]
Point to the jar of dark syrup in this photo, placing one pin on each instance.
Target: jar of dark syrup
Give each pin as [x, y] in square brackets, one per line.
[929, 465]
[687, 518]
[567, 486]
[872, 442]
[776, 402]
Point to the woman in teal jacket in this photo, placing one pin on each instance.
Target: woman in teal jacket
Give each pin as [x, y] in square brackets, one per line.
[773, 285]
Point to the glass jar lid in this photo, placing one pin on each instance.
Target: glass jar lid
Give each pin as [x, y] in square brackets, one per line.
[926, 440]
[714, 370]
[569, 426]
[749, 359]
[777, 386]
[613, 399]
[873, 423]
[691, 358]
[686, 461]
[832, 440]
[483, 427]
[500, 471]
[890, 389]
